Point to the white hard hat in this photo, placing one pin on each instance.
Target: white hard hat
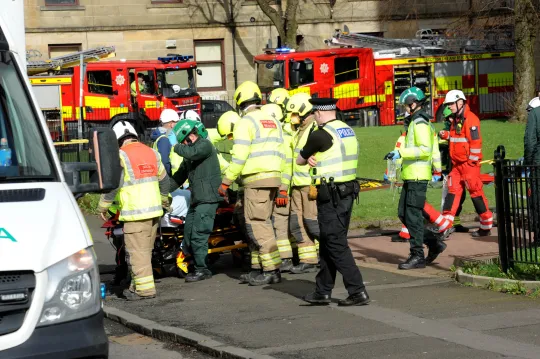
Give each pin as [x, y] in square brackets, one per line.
[534, 103]
[190, 115]
[454, 95]
[123, 129]
[169, 115]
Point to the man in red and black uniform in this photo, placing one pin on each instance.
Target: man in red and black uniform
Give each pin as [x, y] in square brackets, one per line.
[465, 143]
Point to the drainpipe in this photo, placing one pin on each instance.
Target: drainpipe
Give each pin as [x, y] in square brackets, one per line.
[233, 35]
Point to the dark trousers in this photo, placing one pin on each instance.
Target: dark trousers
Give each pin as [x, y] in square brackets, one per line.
[335, 254]
[411, 203]
[199, 225]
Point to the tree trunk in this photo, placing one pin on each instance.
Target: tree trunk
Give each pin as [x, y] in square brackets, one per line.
[286, 26]
[525, 38]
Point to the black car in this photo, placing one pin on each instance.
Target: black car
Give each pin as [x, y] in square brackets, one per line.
[212, 111]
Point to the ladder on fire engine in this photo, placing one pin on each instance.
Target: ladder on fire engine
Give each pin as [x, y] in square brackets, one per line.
[426, 43]
[69, 60]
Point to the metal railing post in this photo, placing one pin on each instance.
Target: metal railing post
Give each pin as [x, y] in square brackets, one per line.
[501, 208]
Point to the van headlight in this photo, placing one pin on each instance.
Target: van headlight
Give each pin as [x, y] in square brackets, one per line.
[73, 290]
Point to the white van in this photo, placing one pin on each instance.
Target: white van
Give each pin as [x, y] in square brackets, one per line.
[50, 303]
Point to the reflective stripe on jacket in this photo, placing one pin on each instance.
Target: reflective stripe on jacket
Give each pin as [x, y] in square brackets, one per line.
[301, 176]
[139, 195]
[466, 146]
[418, 149]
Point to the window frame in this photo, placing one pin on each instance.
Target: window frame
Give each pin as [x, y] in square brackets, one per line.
[222, 63]
[357, 69]
[75, 3]
[60, 46]
[97, 93]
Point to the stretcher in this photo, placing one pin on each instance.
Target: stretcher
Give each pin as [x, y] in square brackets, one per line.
[169, 257]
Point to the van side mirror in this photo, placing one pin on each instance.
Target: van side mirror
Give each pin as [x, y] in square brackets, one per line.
[295, 74]
[199, 72]
[103, 168]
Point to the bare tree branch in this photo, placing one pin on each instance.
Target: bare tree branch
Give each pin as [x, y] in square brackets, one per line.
[273, 15]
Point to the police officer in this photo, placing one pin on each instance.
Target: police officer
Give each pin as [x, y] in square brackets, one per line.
[201, 166]
[417, 152]
[332, 152]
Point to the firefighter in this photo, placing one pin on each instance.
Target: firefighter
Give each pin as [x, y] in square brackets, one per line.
[257, 157]
[162, 144]
[465, 153]
[282, 208]
[133, 86]
[304, 225]
[332, 153]
[417, 154]
[201, 166]
[448, 118]
[142, 194]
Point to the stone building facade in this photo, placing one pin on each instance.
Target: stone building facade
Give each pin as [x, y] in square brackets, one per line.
[147, 29]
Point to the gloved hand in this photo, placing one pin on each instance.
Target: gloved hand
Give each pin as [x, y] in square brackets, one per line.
[166, 203]
[282, 199]
[385, 176]
[394, 155]
[436, 177]
[222, 190]
[444, 135]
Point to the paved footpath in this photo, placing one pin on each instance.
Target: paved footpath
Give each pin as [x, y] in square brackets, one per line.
[413, 314]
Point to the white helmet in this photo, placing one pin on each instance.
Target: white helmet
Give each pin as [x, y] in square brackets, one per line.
[190, 115]
[454, 95]
[534, 103]
[168, 115]
[122, 129]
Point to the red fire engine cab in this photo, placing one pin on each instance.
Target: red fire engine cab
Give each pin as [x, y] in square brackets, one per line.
[367, 76]
[134, 90]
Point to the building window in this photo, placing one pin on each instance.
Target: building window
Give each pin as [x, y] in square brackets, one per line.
[100, 82]
[63, 49]
[61, 2]
[209, 56]
[346, 69]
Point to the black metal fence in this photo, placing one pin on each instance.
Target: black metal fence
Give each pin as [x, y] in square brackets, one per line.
[517, 190]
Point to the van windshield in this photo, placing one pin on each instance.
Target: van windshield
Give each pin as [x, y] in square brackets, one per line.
[23, 148]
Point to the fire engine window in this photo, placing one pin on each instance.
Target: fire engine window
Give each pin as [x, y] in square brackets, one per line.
[347, 69]
[147, 82]
[99, 82]
[305, 71]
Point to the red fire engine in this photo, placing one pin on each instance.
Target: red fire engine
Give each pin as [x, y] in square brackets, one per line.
[135, 90]
[370, 73]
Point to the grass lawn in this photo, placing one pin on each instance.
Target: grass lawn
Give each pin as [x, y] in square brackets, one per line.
[375, 142]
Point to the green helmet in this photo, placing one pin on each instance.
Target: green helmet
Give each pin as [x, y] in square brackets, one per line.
[201, 130]
[447, 112]
[413, 94]
[183, 128]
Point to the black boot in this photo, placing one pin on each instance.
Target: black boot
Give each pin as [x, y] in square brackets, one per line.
[304, 268]
[481, 233]
[269, 277]
[199, 275]
[244, 278]
[132, 296]
[434, 251]
[317, 299]
[415, 260]
[361, 298]
[286, 265]
[460, 229]
[443, 236]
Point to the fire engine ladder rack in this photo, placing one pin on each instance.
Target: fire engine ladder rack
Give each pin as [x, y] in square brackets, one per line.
[426, 43]
[70, 60]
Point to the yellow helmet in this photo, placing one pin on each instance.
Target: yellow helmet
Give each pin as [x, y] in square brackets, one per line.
[299, 103]
[247, 91]
[279, 96]
[225, 124]
[274, 110]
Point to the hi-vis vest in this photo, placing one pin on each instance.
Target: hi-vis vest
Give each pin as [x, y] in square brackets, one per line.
[139, 196]
[175, 159]
[301, 176]
[286, 170]
[341, 160]
[435, 156]
[418, 168]
[258, 148]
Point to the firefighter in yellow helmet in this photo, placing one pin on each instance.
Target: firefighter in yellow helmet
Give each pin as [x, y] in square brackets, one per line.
[280, 96]
[257, 157]
[304, 225]
[282, 207]
[142, 193]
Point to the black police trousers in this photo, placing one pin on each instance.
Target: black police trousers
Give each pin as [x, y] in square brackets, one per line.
[335, 254]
